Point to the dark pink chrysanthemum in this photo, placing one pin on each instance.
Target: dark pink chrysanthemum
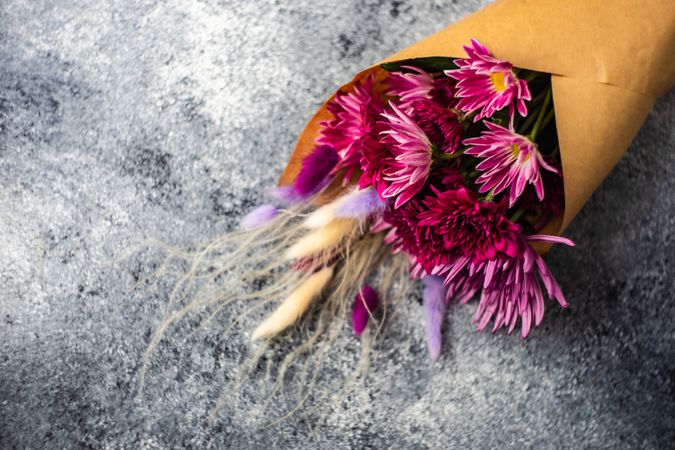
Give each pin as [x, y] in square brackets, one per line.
[416, 84]
[440, 124]
[411, 151]
[486, 84]
[429, 125]
[509, 161]
[410, 86]
[401, 225]
[511, 285]
[459, 224]
[512, 288]
[374, 161]
[350, 130]
[404, 233]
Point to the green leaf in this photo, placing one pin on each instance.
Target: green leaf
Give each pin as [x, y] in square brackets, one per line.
[432, 64]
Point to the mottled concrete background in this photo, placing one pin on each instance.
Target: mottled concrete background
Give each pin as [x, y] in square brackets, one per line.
[125, 120]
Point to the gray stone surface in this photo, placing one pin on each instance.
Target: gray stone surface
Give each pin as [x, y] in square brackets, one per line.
[127, 120]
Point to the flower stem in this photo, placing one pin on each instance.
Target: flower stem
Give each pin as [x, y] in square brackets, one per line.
[532, 76]
[547, 119]
[537, 101]
[540, 119]
[451, 156]
[516, 215]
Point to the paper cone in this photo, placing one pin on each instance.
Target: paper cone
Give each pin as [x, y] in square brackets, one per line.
[609, 60]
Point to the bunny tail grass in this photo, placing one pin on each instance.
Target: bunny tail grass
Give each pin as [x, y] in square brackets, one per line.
[294, 306]
[229, 281]
[322, 239]
[434, 309]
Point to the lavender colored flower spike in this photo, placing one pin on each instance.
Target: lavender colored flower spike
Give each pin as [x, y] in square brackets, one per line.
[434, 308]
[365, 303]
[315, 171]
[286, 195]
[363, 203]
[259, 216]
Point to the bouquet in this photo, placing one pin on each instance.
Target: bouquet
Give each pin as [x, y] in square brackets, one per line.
[458, 162]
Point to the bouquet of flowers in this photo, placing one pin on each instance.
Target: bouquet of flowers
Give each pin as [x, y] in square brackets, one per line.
[458, 161]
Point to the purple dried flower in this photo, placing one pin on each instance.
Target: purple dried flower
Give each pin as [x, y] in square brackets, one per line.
[286, 195]
[365, 303]
[434, 296]
[259, 216]
[315, 171]
[363, 203]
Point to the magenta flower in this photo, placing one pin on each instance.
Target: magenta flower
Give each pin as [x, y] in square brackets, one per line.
[487, 84]
[512, 290]
[411, 151]
[349, 132]
[401, 226]
[410, 86]
[417, 84]
[440, 124]
[429, 125]
[374, 161]
[511, 285]
[509, 161]
[456, 223]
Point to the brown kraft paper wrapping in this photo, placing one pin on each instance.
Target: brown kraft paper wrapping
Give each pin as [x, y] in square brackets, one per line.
[609, 61]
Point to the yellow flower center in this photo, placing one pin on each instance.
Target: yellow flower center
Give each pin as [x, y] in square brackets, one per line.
[498, 81]
[515, 151]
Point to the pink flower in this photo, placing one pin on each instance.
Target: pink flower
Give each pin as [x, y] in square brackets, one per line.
[487, 84]
[440, 124]
[416, 84]
[511, 287]
[350, 131]
[401, 225]
[509, 161]
[374, 161]
[456, 223]
[512, 290]
[410, 86]
[411, 156]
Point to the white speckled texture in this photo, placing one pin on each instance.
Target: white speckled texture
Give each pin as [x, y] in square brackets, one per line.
[126, 120]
